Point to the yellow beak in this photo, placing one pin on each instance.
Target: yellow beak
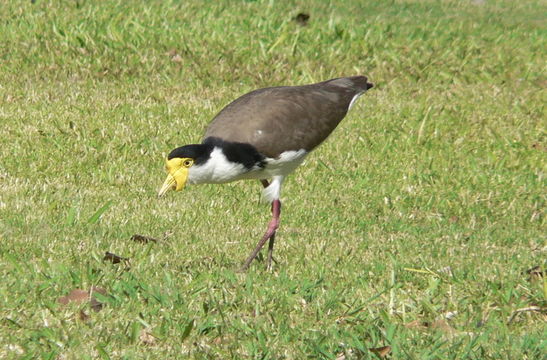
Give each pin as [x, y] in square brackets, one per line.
[176, 179]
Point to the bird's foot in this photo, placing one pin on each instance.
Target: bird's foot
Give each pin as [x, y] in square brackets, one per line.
[269, 264]
[268, 235]
[270, 252]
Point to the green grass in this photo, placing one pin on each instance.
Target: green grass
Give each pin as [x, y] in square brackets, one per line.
[428, 199]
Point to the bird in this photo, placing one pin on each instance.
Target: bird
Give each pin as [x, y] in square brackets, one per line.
[264, 135]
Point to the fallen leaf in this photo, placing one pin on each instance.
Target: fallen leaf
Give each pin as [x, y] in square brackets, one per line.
[177, 58]
[76, 295]
[453, 219]
[79, 296]
[302, 19]
[381, 352]
[113, 258]
[143, 239]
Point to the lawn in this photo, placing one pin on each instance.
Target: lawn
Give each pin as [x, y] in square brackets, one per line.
[416, 231]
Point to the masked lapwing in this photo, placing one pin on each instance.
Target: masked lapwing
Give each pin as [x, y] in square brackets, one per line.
[264, 135]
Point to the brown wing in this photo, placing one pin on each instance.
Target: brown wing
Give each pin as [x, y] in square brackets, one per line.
[279, 119]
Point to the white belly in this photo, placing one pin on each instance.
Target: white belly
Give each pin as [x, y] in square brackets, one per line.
[286, 163]
[218, 169]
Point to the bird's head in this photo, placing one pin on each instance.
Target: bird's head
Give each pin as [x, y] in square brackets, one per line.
[180, 164]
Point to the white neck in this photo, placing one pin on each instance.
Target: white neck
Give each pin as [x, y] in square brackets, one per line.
[216, 170]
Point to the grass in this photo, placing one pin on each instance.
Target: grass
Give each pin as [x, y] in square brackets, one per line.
[428, 199]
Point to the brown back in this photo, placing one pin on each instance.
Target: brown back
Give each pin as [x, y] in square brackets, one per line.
[279, 119]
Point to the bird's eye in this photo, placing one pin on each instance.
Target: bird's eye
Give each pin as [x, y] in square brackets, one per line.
[187, 163]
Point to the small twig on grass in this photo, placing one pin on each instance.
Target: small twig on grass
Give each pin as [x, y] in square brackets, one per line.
[526, 309]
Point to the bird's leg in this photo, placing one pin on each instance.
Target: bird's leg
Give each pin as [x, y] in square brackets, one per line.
[270, 252]
[270, 232]
[265, 183]
[268, 235]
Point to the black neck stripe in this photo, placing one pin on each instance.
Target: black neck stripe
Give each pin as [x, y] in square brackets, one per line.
[241, 153]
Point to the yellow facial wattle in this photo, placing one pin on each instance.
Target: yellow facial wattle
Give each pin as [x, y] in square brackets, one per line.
[177, 174]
